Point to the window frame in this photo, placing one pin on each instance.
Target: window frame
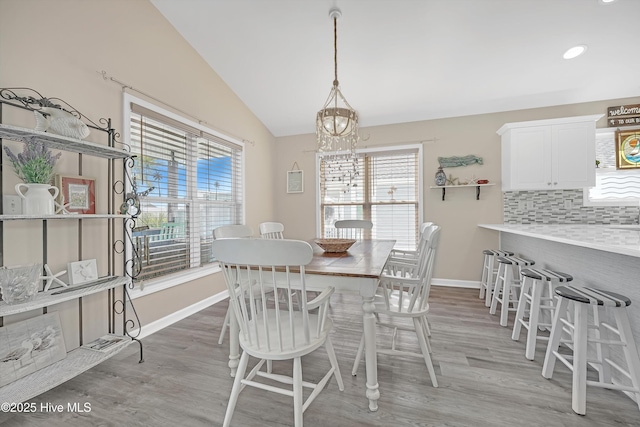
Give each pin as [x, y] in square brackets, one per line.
[379, 149]
[157, 284]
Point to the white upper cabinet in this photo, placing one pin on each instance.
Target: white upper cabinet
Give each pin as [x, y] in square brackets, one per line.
[549, 154]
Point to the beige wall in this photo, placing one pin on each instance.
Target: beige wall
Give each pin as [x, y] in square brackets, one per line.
[462, 242]
[59, 47]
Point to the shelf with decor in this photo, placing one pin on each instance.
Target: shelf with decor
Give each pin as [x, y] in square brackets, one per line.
[119, 210]
[444, 187]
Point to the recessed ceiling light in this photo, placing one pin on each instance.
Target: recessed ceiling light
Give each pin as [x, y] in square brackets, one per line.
[607, 1]
[574, 51]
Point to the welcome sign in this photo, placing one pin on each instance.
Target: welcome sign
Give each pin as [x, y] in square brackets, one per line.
[623, 115]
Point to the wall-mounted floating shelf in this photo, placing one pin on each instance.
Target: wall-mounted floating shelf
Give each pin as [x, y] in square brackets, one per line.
[444, 187]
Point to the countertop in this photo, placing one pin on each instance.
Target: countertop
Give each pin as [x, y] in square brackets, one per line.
[621, 239]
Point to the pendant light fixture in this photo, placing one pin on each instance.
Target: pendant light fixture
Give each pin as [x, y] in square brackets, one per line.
[337, 122]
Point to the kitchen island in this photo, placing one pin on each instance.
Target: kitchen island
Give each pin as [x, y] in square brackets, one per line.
[599, 256]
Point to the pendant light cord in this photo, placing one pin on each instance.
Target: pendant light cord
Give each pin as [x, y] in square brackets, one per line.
[335, 50]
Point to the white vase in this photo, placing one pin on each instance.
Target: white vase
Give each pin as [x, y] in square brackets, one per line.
[38, 199]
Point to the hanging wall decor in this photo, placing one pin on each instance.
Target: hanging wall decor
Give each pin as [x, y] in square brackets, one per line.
[627, 149]
[295, 180]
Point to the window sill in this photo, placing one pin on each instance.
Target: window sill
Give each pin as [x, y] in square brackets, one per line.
[162, 283]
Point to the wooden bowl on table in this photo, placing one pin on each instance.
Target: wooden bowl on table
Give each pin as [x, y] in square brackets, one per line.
[335, 245]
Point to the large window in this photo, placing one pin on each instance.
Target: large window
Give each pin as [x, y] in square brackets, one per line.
[381, 185]
[190, 181]
[613, 187]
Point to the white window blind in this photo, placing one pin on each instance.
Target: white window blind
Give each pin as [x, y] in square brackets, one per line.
[381, 186]
[191, 183]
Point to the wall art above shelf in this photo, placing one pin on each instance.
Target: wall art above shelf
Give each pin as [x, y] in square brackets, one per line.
[444, 187]
[64, 143]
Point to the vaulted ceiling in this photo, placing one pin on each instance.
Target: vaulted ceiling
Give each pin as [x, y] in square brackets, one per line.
[409, 60]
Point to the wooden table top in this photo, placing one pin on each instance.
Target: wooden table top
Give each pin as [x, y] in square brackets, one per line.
[366, 258]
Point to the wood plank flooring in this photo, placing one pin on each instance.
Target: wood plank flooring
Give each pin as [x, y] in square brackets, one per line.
[484, 380]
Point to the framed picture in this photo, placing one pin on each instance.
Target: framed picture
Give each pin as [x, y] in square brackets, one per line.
[627, 149]
[295, 182]
[30, 345]
[82, 271]
[77, 193]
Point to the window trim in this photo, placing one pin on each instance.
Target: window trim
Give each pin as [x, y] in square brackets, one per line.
[164, 282]
[378, 149]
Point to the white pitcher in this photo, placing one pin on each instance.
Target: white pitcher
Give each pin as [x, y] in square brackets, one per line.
[38, 199]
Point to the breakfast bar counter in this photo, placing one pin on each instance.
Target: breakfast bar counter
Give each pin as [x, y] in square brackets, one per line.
[598, 256]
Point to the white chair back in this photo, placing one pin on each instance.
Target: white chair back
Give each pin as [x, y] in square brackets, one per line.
[408, 292]
[272, 230]
[268, 331]
[353, 228]
[232, 232]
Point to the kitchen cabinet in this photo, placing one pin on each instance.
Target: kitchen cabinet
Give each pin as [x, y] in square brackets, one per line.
[549, 154]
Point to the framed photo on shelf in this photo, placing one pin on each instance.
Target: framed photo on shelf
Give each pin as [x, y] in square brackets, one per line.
[295, 181]
[627, 149]
[77, 193]
[82, 271]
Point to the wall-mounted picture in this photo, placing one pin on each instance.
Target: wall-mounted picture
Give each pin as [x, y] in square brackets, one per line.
[82, 271]
[295, 182]
[77, 193]
[30, 345]
[627, 149]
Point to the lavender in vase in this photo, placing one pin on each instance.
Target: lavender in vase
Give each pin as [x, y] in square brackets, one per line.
[35, 165]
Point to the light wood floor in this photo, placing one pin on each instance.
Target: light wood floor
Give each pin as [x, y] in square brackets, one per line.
[484, 380]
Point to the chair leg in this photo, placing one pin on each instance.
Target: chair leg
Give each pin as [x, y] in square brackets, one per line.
[491, 281]
[534, 314]
[356, 362]
[506, 296]
[579, 388]
[334, 363]
[225, 325]
[519, 320]
[297, 392]
[554, 339]
[630, 350]
[427, 332]
[497, 289]
[485, 277]
[425, 350]
[235, 390]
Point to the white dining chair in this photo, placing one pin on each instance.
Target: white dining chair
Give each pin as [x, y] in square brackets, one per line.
[273, 331]
[230, 232]
[400, 257]
[353, 228]
[271, 230]
[403, 298]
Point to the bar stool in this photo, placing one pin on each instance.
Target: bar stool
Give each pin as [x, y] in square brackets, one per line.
[507, 281]
[489, 271]
[600, 300]
[536, 296]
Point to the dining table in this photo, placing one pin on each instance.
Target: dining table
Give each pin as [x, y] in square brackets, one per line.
[355, 271]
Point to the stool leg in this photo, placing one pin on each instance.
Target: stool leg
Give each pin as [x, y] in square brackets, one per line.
[499, 286]
[506, 296]
[602, 351]
[517, 324]
[491, 280]
[485, 277]
[630, 350]
[534, 313]
[554, 339]
[579, 388]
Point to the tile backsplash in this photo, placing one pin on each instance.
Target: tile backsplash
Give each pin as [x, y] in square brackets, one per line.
[561, 207]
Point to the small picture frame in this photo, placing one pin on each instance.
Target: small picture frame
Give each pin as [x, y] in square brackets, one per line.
[82, 271]
[77, 193]
[295, 181]
[628, 149]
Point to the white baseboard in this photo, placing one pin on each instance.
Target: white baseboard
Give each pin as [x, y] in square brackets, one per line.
[453, 283]
[201, 305]
[159, 324]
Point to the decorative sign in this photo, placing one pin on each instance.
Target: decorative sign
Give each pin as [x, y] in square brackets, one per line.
[623, 115]
[627, 149]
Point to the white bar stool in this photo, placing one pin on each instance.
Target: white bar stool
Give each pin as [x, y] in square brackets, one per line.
[507, 282]
[600, 300]
[489, 272]
[536, 297]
